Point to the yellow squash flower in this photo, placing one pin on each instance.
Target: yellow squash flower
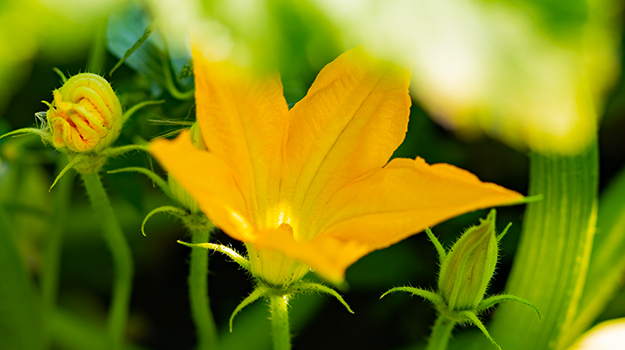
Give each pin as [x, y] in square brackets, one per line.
[86, 115]
[312, 187]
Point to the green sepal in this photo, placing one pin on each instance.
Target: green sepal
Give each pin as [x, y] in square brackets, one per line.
[137, 107]
[473, 319]
[496, 299]
[233, 254]
[28, 131]
[61, 75]
[69, 166]
[159, 181]
[304, 287]
[117, 151]
[430, 296]
[179, 213]
[258, 293]
[503, 233]
[442, 254]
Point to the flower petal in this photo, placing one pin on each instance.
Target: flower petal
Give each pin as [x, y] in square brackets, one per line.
[351, 121]
[243, 120]
[209, 180]
[327, 256]
[405, 197]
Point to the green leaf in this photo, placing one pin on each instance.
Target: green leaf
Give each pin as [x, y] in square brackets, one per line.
[134, 47]
[20, 317]
[552, 259]
[127, 31]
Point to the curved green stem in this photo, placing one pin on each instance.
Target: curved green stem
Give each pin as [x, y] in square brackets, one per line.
[169, 80]
[279, 306]
[122, 258]
[440, 333]
[551, 262]
[198, 294]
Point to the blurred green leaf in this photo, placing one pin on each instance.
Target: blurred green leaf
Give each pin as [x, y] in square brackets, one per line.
[71, 332]
[127, 27]
[134, 47]
[20, 315]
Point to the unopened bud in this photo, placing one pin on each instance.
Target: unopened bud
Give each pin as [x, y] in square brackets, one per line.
[469, 266]
[86, 115]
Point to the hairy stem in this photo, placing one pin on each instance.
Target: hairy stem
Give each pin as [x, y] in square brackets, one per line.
[122, 258]
[279, 306]
[198, 294]
[440, 333]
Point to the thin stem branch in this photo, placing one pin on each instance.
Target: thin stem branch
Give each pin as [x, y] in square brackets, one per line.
[279, 306]
[198, 294]
[122, 258]
[441, 333]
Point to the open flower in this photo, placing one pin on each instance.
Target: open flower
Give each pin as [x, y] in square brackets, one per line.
[310, 187]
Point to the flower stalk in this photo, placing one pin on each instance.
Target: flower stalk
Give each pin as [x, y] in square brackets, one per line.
[441, 333]
[198, 293]
[280, 331]
[200, 227]
[122, 258]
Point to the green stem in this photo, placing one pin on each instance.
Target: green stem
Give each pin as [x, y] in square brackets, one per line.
[122, 258]
[551, 262]
[607, 261]
[50, 275]
[198, 294]
[279, 306]
[441, 333]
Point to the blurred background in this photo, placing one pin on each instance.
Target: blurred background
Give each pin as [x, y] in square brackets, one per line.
[492, 81]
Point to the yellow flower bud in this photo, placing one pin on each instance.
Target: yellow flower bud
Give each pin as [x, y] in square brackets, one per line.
[469, 266]
[86, 115]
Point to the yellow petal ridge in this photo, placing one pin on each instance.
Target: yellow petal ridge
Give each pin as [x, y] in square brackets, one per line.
[351, 121]
[243, 120]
